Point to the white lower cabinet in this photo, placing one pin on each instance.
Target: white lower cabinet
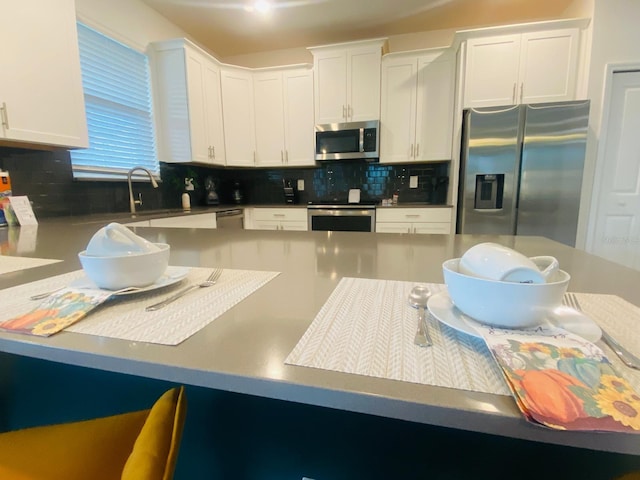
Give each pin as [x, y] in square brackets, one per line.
[291, 218]
[413, 220]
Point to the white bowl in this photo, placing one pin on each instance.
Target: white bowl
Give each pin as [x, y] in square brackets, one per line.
[504, 304]
[128, 270]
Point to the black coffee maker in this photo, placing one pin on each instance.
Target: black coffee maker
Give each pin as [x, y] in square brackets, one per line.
[212, 196]
[289, 192]
[236, 193]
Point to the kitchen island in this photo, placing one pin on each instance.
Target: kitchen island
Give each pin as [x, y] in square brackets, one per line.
[275, 419]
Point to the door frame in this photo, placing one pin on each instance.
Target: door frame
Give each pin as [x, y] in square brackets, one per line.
[610, 70]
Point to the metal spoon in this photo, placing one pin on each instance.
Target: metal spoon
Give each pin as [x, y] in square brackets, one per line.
[418, 299]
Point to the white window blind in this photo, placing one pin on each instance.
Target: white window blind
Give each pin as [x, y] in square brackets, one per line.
[117, 96]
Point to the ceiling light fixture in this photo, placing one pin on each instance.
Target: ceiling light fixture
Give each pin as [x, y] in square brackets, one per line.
[260, 6]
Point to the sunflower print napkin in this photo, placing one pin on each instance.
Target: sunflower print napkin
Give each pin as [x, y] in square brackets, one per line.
[562, 381]
[57, 312]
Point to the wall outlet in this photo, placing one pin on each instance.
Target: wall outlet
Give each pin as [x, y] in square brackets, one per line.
[300, 185]
[413, 181]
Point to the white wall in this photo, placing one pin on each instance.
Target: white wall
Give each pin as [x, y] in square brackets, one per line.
[615, 39]
[128, 21]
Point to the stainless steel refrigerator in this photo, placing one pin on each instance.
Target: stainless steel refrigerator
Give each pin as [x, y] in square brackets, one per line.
[521, 170]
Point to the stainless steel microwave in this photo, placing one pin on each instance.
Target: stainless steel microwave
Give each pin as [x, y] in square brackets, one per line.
[353, 140]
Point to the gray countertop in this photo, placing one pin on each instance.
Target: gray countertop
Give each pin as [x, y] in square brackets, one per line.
[244, 350]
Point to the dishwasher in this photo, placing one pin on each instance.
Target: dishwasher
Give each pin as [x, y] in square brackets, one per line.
[230, 219]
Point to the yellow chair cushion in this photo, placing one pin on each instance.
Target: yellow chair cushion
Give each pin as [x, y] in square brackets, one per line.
[156, 449]
[145, 443]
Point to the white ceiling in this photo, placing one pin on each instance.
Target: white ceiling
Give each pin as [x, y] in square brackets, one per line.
[225, 27]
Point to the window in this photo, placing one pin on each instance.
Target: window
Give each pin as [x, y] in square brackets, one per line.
[117, 96]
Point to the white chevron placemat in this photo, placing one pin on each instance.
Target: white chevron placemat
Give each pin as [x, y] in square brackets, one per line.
[124, 317]
[13, 264]
[366, 327]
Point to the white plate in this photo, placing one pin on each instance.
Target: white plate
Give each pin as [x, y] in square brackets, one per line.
[170, 276]
[443, 309]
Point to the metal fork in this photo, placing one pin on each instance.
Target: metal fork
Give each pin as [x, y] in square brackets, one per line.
[628, 358]
[211, 280]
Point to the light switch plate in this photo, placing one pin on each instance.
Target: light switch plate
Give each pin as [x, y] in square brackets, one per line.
[300, 184]
[413, 181]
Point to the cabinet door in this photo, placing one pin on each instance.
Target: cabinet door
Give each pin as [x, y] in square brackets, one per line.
[213, 114]
[330, 70]
[398, 110]
[430, 228]
[548, 66]
[269, 111]
[41, 84]
[491, 73]
[434, 117]
[393, 227]
[196, 101]
[363, 84]
[266, 225]
[298, 118]
[237, 101]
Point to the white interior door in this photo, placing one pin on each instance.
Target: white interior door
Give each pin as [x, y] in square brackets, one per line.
[617, 228]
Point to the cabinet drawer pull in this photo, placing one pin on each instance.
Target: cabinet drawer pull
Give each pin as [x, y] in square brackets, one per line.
[513, 95]
[417, 149]
[349, 112]
[411, 154]
[278, 215]
[281, 156]
[286, 157]
[213, 152]
[344, 111]
[413, 215]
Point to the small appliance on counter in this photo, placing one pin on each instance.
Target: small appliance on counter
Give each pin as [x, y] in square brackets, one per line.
[289, 192]
[236, 194]
[211, 197]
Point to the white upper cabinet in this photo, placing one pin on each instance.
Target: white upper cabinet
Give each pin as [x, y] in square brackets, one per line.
[298, 117]
[41, 96]
[188, 104]
[417, 107]
[284, 117]
[347, 82]
[238, 114]
[533, 67]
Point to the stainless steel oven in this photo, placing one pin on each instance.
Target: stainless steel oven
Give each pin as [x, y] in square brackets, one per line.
[345, 218]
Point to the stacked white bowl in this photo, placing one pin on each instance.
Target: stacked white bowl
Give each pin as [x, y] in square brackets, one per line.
[117, 258]
[499, 286]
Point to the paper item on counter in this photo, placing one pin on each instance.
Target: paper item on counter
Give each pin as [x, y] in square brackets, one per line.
[562, 381]
[22, 210]
[57, 312]
[354, 195]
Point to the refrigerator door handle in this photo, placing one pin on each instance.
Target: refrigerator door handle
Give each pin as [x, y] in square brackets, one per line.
[487, 210]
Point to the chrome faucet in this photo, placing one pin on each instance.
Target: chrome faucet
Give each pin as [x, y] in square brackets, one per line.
[132, 202]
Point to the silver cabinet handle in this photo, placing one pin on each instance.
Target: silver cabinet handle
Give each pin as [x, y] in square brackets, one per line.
[281, 156]
[254, 157]
[349, 112]
[417, 149]
[521, 92]
[513, 95]
[278, 214]
[213, 151]
[344, 112]
[286, 157]
[411, 154]
[408, 215]
[5, 116]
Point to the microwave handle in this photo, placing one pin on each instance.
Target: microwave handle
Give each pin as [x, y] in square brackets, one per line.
[362, 139]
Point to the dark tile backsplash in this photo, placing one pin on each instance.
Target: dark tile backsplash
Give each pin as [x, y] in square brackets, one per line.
[46, 178]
